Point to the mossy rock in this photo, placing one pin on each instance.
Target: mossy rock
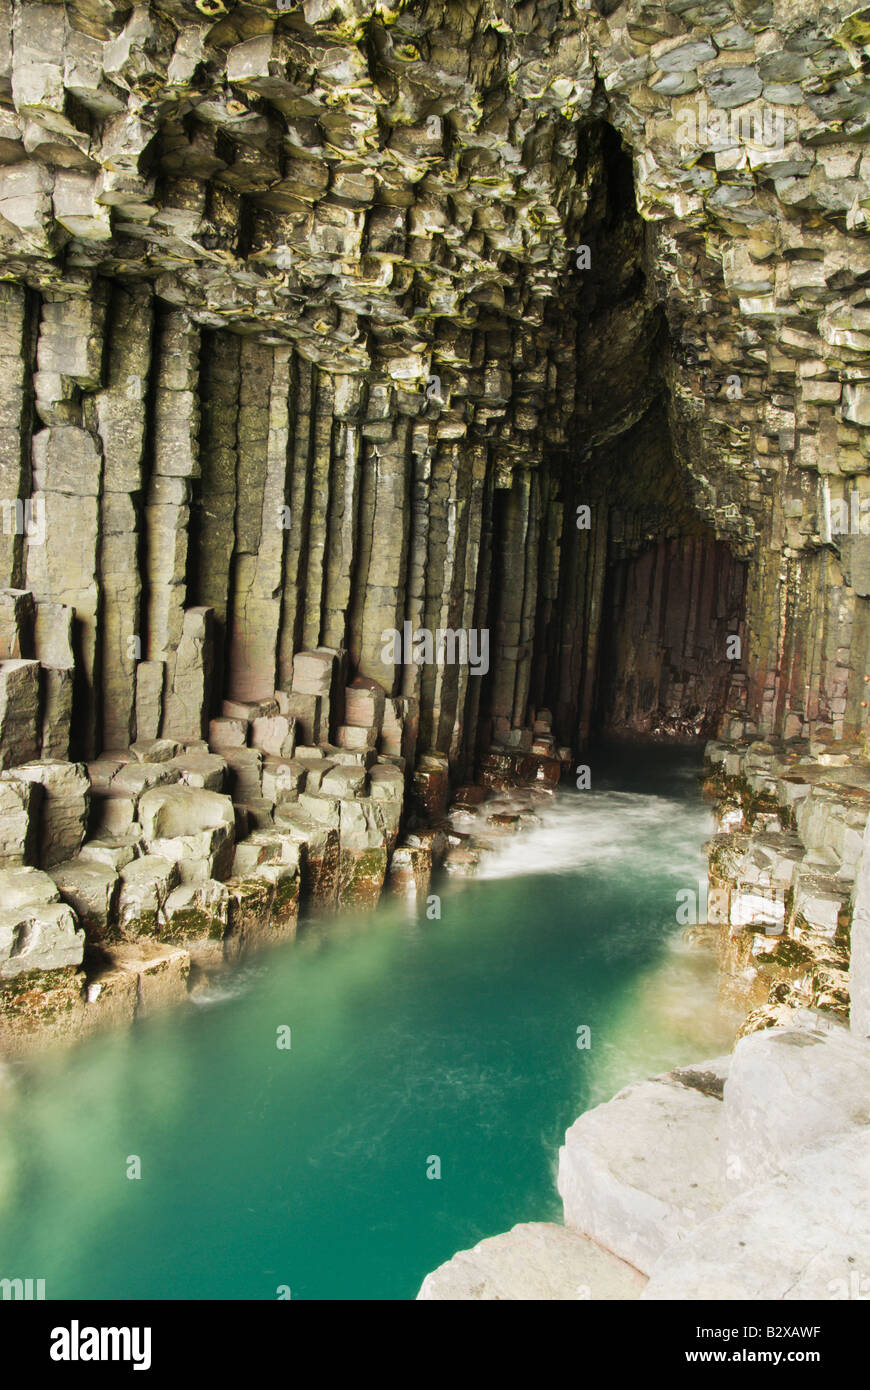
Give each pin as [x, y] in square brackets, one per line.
[362, 877]
[147, 924]
[250, 905]
[285, 904]
[42, 1000]
[194, 924]
[38, 982]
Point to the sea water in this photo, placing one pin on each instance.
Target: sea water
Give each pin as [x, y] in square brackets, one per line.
[341, 1115]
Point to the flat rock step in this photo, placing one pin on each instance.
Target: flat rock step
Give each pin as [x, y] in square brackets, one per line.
[535, 1261]
[788, 1091]
[639, 1172]
[805, 1235]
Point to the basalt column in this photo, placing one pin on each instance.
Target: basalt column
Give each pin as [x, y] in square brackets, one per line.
[320, 331]
[672, 639]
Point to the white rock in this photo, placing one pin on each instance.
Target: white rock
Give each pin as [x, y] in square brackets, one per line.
[805, 1235]
[638, 1173]
[145, 886]
[91, 888]
[26, 887]
[165, 812]
[534, 1261]
[43, 936]
[344, 782]
[789, 1089]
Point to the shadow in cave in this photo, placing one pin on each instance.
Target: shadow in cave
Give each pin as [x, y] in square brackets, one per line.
[642, 635]
[671, 640]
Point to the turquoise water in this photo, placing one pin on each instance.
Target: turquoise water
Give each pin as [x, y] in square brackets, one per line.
[411, 1040]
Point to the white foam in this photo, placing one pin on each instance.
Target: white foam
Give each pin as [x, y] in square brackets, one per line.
[595, 829]
[224, 988]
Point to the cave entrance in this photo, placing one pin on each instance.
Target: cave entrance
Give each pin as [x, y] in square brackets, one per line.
[634, 626]
[672, 639]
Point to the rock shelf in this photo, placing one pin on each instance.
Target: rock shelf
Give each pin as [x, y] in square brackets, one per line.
[128, 877]
[669, 1193]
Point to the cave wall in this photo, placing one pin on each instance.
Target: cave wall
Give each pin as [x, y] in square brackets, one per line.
[305, 406]
[667, 616]
[546, 321]
[171, 470]
[299, 344]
